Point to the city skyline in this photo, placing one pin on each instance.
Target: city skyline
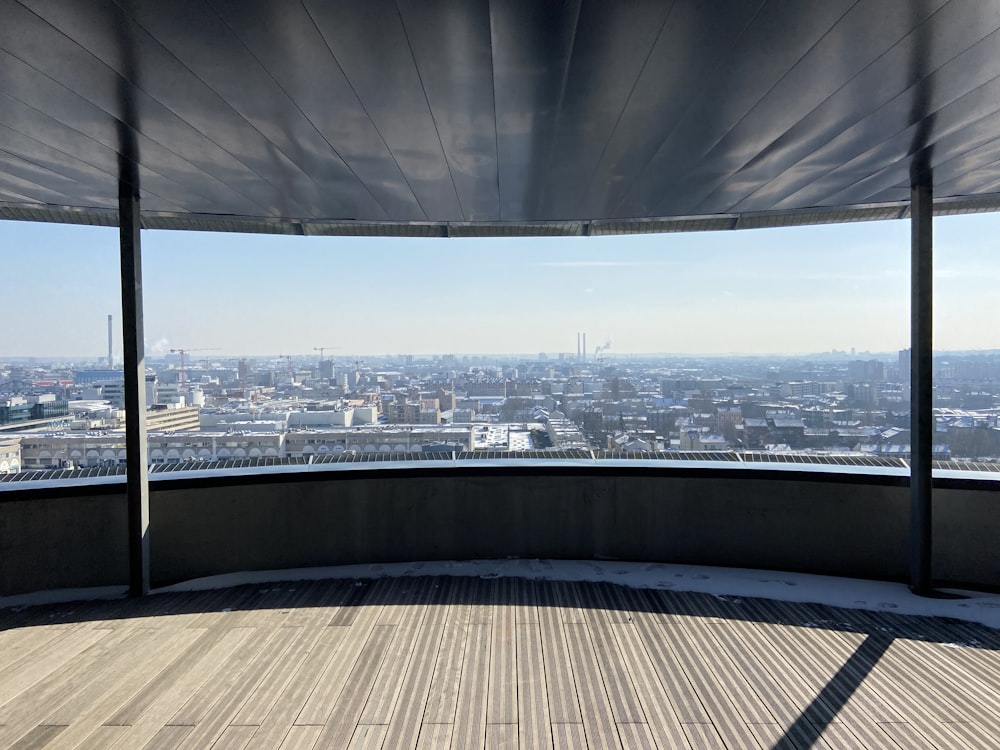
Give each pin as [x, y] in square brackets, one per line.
[788, 291]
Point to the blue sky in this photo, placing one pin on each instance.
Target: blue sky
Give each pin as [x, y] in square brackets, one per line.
[798, 290]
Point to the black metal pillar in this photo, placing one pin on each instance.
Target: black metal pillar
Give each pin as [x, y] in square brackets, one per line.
[921, 374]
[137, 465]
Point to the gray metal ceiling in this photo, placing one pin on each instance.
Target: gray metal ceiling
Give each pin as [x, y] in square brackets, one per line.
[502, 117]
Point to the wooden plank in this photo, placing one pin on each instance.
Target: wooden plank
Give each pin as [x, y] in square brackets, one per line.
[331, 683]
[350, 703]
[787, 667]
[786, 696]
[165, 701]
[481, 601]
[87, 711]
[773, 736]
[273, 604]
[652, 696]
[501, 737]
[704, 737]
[700, 637]
[300, 738]
[17, 646]
[462, 601]
[242, 611]
[621, 693]
[567, 599]
[908, 693]
[817, 656]
[229, 693]
[318, 598]
[525, 593]
[906, 736]
[959, 694]
[296, 690]
[605, 597]
[168, 738]
[695, 665]
[221, 603]
[367, 737]
[470, 720]
[410, 594]
[261, 700]
[312, 641]
[231, 673]
[501, 705]
[534, 725]
[434, 736]
[36, 704]
[405, 725]
[346, 611]
[802, 677]
[172, 672]
[636, 736]
[954, 698]
[568, 736]
[976, 664]
[564, 706]
[37, 737]
[971, 734]
[234, 738]
[839, 736]
[890, 683]
[442, 700]
[655, 634]
[598, 718]
[33, 667]
[100, 739]
[408, 620]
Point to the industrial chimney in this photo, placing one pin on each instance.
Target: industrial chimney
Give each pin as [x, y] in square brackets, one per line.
[111, 361]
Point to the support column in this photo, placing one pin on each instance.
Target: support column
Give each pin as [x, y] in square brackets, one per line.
[137, 464]
[921, 385]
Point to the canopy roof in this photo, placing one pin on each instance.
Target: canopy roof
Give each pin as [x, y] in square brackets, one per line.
[502, 117]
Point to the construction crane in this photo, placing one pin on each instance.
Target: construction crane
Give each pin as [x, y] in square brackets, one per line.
[288, 358]
[182, 352]
[322, 349]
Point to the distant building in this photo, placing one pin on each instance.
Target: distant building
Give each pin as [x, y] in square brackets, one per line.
[871, 370]
[904, 365]
[694, 440]
[172, 420]
[10, 454]
[489, 387]
[381, 439]
[86, 377]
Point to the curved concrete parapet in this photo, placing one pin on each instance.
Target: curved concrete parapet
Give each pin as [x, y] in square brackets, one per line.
[849, 524]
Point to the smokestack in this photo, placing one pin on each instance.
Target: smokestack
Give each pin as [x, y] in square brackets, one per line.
[578, 346]
[584, 347]
[111, 362]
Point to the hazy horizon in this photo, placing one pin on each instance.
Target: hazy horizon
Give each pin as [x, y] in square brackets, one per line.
[800, 291]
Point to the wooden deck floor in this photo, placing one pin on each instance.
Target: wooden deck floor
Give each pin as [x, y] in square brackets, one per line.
[501, 663]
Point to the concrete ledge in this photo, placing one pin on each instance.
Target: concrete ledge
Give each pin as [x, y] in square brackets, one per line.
[69, 542]
[852, 526]
[764, 523]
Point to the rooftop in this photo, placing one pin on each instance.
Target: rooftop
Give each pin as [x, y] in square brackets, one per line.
[430, 660]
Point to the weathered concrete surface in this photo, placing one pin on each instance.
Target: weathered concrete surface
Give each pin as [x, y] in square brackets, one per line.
[851, 528]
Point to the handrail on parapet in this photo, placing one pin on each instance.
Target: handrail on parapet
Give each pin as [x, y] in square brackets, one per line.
[832, 463]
